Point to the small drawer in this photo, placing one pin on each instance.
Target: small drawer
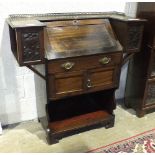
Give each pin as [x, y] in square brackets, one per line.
[84, 63]
[60, 85]
[100, 79]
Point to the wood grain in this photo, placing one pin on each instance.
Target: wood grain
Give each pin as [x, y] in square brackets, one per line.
[71, 36]
[78, 121]
[84, 62]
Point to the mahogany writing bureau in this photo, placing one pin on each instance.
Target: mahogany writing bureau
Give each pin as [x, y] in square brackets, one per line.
[82, 53]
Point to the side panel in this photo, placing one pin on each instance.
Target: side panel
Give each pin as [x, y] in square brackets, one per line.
[30, 45]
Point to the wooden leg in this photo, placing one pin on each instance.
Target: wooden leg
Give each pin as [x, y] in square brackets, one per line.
[50, 138]
[140, 113]
[110, 124]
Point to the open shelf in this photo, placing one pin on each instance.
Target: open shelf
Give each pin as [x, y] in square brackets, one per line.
[80, 113]
[79, 121]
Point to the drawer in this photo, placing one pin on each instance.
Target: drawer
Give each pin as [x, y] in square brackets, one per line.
[100, 79]
[83, 63]
[79, 82]
[61, 84]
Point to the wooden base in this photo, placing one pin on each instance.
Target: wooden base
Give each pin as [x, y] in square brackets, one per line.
[78, 114]
[75, 125]
[78, 122]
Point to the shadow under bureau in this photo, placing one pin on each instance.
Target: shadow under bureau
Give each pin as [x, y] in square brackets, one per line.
[82, 55]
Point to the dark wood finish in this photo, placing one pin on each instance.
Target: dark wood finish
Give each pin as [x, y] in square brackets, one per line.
[86, 113]
[79, 37]
[78, 121]
[133, 32]
[83, 57]
[65, 84]
[81, 82]
[78, 64]
[30, 46]
[84, 62]
[136, 79]
[140, 79]
[83, 77]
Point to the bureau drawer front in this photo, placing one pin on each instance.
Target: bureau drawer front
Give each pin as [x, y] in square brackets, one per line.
[83, 63]
[65, 84]
[100, 79]
[79, 82]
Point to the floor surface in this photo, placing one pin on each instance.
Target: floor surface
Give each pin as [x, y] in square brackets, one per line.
[30, 137]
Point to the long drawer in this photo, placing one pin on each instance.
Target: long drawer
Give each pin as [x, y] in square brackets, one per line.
[84, 63]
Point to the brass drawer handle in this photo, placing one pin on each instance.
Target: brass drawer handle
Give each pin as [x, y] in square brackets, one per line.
[105, 60]
[89, 85]
[75, 22]
[68, 65]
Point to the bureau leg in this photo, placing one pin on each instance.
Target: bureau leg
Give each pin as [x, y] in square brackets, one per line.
[50, 138]
[140, 113]
[110, 123]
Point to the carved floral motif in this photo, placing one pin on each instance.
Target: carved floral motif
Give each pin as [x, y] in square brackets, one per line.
[31, 46]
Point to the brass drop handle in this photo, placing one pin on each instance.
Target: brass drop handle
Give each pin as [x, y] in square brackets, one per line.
[68, 65]
[105, 60]
[89, 85]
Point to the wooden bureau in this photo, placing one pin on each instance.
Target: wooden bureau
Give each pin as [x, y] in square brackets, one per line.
[140, 87]
[83, 57]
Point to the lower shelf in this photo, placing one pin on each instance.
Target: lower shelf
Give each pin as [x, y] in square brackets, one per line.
[81, 121]
[77, 114]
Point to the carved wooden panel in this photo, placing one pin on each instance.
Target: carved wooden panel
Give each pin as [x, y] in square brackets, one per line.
[100, 78]
[64, 84]
[150, 99]
[31, 46]
[153, 64]
[134, 36]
